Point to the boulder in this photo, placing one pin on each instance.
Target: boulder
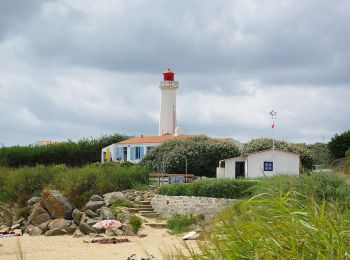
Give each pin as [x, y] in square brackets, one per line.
[57, 205]
[128, 230]
[111, 197]
[193, 235]
[44, 226]
[92, 221]
[60, 223]
[33, 200]
[38, 215]
[35, 231]
[86, 229]
[94, 205]
[71, 229]
[91, 214]
[78, 233]
[15, 226]
[19, 221]
[96, 198]
[55, 232]
[114, 232]
[106, 213]
[77, 215]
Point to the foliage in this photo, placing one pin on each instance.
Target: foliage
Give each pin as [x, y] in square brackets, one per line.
[320, 154]
[339, 144]
[181, 223]
[293, 218]
[347, 153]
[217, 188]
[77, 184]
[202, 153]
[123, 203]
[135, 222]
[261, 144]
[69, 152]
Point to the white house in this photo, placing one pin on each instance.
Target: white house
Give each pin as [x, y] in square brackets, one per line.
[258, 164]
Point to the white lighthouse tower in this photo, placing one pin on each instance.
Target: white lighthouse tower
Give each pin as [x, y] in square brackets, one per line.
[168, 87]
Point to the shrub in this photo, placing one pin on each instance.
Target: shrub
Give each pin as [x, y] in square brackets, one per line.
[123, 203]
[69, 152]
[217, 188]
[320, 154]
[76, 183]
[339, 144]
[261, 144]
[135, 223]
[202, 153]
[182, 223]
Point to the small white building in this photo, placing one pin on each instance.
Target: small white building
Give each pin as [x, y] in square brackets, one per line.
[258, 164]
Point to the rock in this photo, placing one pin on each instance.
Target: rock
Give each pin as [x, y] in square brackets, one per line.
[96, 198]
[94, 205]
[19, 221]
[44, 226]
[111, 197]
[141, 235]
[71, 229]
[84, 219]
[86, 229]
[57, 205]
[78, 233]
[128, 230]
[91, 214]
[38, 215]
[106, 213]
[77, 215]
[60, 223]
[55, 232]
[35, 231]
[33, 200]
[193, 235]
[114, 232]
[92, 221]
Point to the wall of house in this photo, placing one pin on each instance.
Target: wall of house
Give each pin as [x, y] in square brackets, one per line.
[131, 148]
[283, 162]
[183, 205]
[230, 166]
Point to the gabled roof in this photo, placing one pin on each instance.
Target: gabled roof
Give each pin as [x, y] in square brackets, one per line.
[154, 139]
[262, 151]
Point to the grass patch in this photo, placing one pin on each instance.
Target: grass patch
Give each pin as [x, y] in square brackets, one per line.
[135, 223]
[182, 223]
[123, 203]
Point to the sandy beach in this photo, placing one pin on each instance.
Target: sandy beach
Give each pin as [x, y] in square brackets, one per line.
[67, 247]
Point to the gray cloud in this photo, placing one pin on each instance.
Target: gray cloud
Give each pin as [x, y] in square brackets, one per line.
[71, 69]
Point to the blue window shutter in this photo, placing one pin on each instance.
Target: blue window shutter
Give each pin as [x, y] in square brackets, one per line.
[119, 152]
[132, 153]
[142, 151]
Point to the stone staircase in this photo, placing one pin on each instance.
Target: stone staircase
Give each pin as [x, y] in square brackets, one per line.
[145, 209]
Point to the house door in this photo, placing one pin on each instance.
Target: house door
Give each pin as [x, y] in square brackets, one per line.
[125, 153]
[240, 171]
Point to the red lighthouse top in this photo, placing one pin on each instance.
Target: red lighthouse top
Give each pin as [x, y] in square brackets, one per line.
[168, 75]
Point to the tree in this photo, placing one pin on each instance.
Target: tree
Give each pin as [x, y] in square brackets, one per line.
[320, 154]
[263, 143]
[339, 144]
[202, 153]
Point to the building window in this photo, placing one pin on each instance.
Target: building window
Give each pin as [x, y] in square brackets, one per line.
[268, 166]
[137, 153]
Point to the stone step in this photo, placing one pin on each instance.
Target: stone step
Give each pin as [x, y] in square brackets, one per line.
[144, 202]
[135, 210]
[156, 225]
[146, 211]
[144, 206]
[149, 214]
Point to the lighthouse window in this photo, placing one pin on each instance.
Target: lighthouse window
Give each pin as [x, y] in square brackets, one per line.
[137, 152]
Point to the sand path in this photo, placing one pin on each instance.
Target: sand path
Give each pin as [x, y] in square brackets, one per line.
[67, 247]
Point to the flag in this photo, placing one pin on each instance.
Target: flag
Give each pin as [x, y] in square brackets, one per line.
[273, 125]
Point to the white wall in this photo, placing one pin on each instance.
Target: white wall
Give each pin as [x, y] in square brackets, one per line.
[230, 166]
[283, 163]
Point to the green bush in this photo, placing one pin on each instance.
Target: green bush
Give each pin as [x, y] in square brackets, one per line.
[123, 203]
[69, 153]
[203, 155]
[182, 223]
[261, 144]
[76, 183]
[339, 144]
[135, 223]
[320, 154]
[217, 188]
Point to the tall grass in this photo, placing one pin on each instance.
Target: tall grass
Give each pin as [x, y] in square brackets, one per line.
[290, 219]
[76, 183]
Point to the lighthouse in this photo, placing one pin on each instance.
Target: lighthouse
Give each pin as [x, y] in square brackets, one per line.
[168, 87]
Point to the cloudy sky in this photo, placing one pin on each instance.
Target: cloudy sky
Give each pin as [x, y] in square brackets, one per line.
[82, 68]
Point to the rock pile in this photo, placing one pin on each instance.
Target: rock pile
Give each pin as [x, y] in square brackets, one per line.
[136, 195]
[52, 215]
